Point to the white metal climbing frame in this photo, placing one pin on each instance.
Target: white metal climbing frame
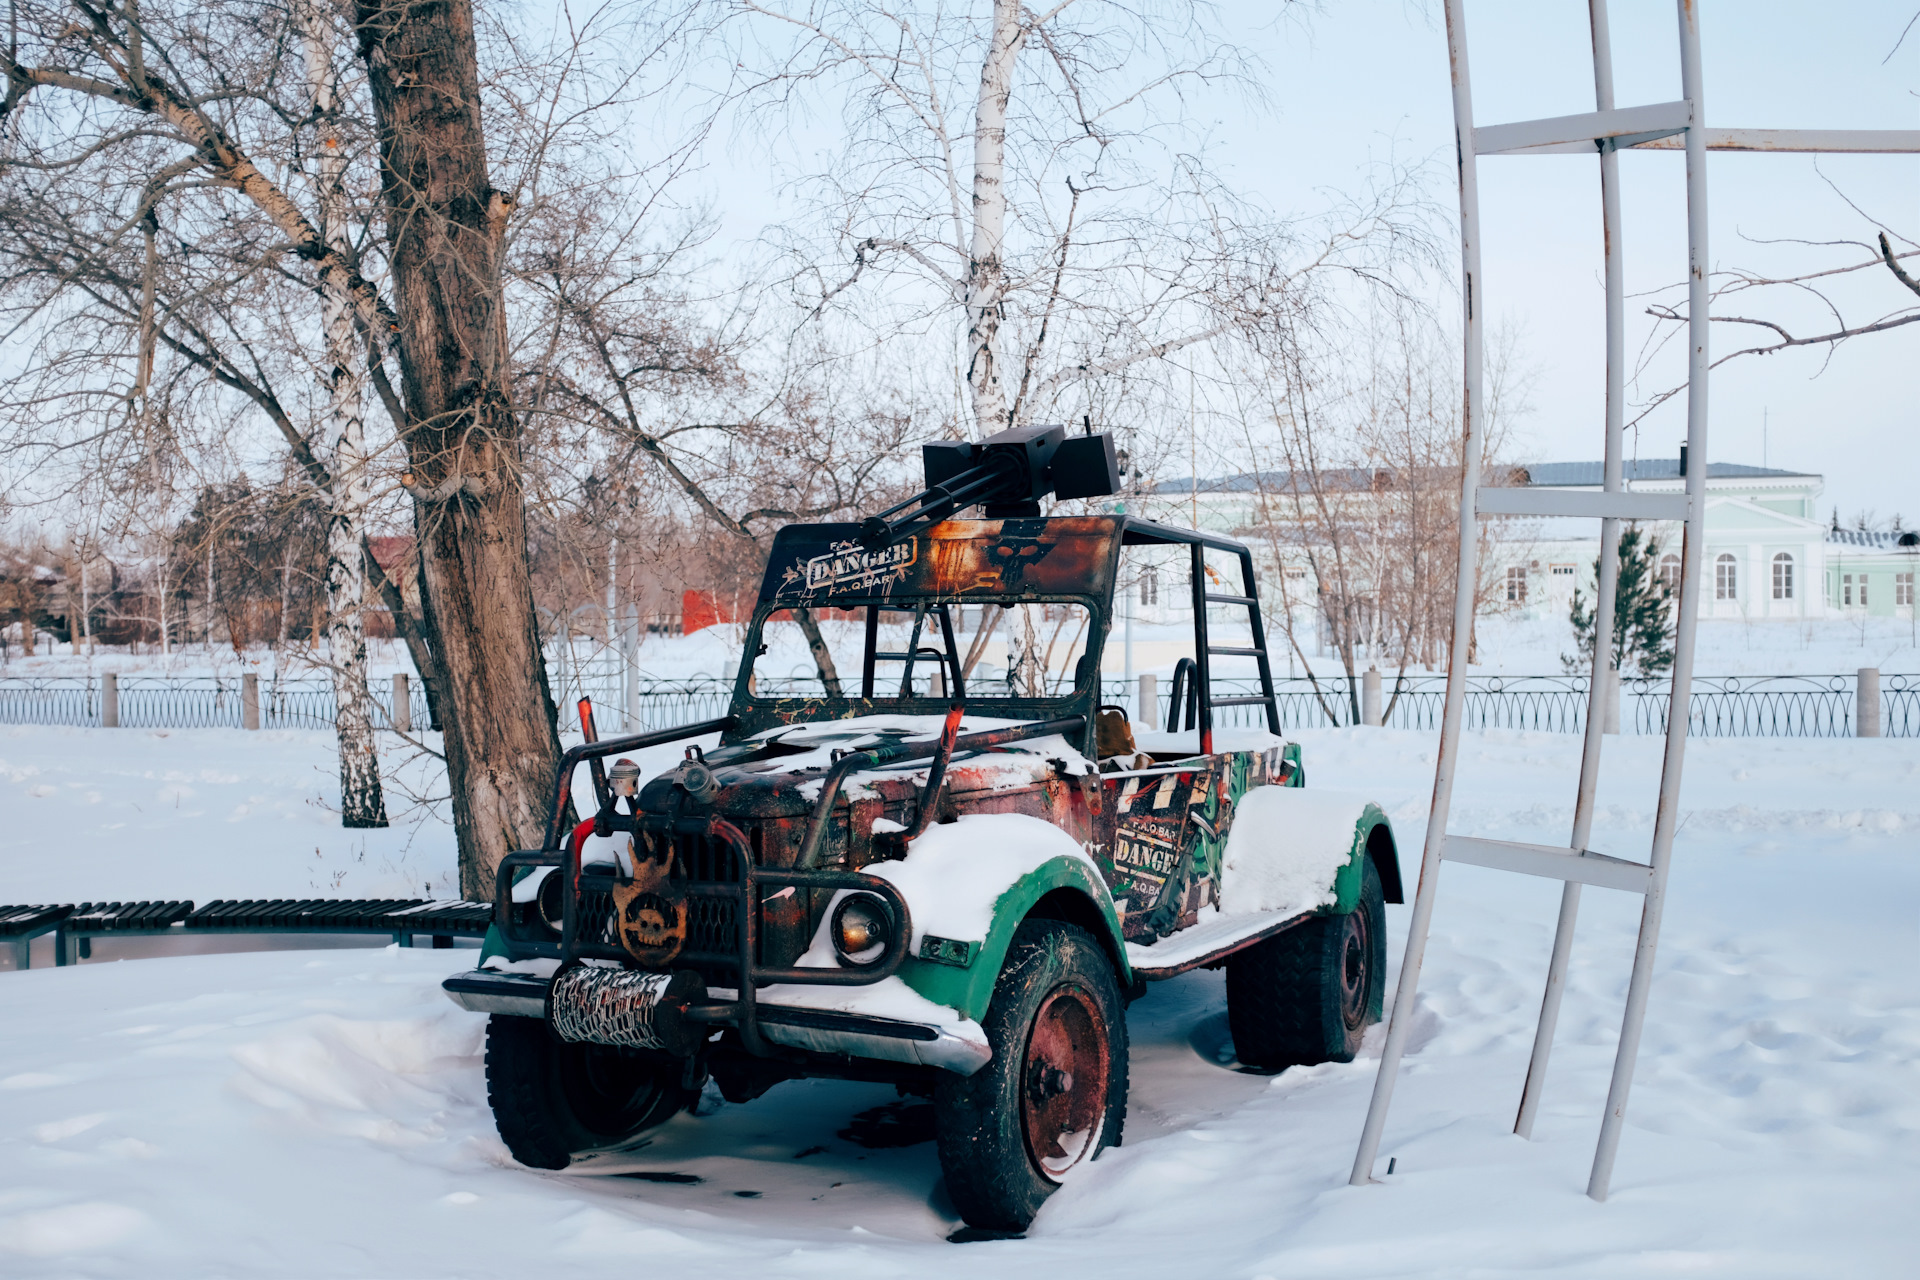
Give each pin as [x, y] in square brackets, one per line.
[1606, 130]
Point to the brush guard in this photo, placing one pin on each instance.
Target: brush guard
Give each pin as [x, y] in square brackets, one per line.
[602, 1000]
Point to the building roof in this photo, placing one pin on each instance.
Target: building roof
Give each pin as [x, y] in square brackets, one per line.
[1557, 474]
[1873, 539]
[1591, 473]
[1333, 479]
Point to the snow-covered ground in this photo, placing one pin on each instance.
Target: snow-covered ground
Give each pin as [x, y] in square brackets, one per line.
[1726, 647]
[123, 814]
[324, 1113]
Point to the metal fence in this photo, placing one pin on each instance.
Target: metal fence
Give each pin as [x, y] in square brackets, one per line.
[1722, 706]
[214, 702]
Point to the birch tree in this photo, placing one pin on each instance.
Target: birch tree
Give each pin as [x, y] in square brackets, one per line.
[361, 802]
[115, 110]
[1017, 176]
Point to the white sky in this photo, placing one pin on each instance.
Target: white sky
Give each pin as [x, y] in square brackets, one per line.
[1364, 80]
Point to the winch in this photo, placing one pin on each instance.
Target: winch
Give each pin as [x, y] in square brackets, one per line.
[600, 1005]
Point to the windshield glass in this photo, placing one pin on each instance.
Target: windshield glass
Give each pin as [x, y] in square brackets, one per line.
[910, 649]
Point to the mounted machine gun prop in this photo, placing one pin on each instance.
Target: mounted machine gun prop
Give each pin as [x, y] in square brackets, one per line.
[1009, 473]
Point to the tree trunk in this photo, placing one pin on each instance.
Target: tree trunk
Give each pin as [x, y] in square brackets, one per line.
[822, 655]
[986, 270]
[362, 804]
[411, 625]
[286, 594]
[166, 633]
[446, 227]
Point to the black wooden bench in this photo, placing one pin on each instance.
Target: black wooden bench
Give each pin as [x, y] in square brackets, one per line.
[20, 925]
[402, 918]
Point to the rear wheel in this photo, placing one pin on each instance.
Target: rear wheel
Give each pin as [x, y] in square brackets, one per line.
[553, 1100]
[1055, 1093]
[1307, 996]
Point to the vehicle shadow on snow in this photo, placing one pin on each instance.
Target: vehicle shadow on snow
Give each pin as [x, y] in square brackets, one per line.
[830, 1155]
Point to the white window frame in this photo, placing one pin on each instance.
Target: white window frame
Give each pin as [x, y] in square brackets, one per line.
[1903, 589]
[1516, 584]
[1726, 576]
[1783, 576]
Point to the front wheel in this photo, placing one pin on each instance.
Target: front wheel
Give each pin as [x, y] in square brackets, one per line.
[1055, 1093]
[553, 1100]
[1306, 996]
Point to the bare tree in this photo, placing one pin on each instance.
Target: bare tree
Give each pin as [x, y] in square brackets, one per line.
[1013, 184]
[198, 105]
[1356, 481]
[361, 801]
[1887, 250]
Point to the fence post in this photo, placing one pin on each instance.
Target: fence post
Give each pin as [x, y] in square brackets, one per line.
[110, 701]
[1866, 703]
[1370, 697]
[402, 718]
[1610, 702]
[630, 664]
[249, 701]
[1146, 707]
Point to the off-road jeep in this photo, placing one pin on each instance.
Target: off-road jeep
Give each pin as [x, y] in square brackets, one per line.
[907, 863]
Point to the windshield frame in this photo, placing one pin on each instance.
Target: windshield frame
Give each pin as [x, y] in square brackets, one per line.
[755, 712]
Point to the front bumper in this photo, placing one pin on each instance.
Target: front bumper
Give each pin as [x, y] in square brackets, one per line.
[826, 1031]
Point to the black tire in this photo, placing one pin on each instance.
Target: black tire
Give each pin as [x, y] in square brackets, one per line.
[1056, 1003]
[1307, 996]
[553, 1100]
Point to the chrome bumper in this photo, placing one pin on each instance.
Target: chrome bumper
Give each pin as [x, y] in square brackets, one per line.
[818, 1030]
[520, 995]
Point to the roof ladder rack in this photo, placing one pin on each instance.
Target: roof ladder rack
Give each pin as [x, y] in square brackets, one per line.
[1668, 126]
[1205, 651]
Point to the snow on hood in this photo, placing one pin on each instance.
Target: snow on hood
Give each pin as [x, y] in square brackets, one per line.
[952, 876]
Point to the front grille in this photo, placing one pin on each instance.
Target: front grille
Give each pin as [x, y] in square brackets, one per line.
[708, 861]
[594, 919]
[713, 926]
[713, 921]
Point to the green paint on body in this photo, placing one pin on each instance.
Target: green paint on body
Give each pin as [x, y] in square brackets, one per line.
[970, 990]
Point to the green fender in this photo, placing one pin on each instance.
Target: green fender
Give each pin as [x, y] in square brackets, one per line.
[970, 989]
[1381, 848]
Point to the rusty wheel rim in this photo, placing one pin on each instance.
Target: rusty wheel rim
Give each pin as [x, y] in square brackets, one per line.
[1064, 1081]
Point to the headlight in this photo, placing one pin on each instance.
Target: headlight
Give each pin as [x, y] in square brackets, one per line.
[862, 926]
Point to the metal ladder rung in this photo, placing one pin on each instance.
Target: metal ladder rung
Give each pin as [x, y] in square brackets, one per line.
[1575, 502]
[1235, 651]
[1214, 599]
[1655, 120]
[1550, 862]
[1847, 141]
[1237, 702]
